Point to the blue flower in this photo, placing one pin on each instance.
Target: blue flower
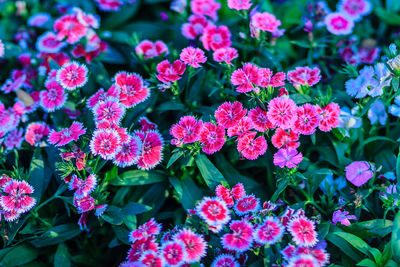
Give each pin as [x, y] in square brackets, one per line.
[377, 112]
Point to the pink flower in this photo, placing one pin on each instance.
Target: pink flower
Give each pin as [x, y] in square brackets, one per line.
[1, 49]
[355, 9]
[152, 147]
[193, 56]
[195, 26]
[285, 139]
[15, 197]
[186, 131]
[94, 47]
[268, 79]
[205, 8]
[109, 110]
[329, 117]
[140, 246]
[10, 216]
[132, 89]
[54, 97]
[106, 143]
[69, 26]
[129, 153]
[246, 205]
[100, 95]
[303, 231]
[122, 132]
[282, 112]
[67, 135]
[288, 157]
[303, 260]
[259, 119]
[35, 132]
[49, 43]
[228, 114]
[225, 260]
[246, 78]
[216, 37]
[304, 76]
[195, 246]
[319, 255]
[307, 119]
[238, 191]
[150, 228]
[239, 4]
[342, 217]
[339, 23]
[84, 204]
[265, 22]
[225, 55]
[270, 231]
[109, 5]
[83, 187]
[243, 126]
[150, 258]
[250, 146]
[14, 139]
[359, 172]
[224, 194]
[72, 75]
[148, 49]
[212, 137]
[170, 73]
[174, 253]
[146, 125]
[213, 211]
[241, 238]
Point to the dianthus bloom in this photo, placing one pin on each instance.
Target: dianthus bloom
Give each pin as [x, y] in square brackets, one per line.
[216, 37]
[205, 7]
[238, 191]
[355, 9]
[241, 128]
[307, 119]
[329, 117]
[246, 78]
[1, 49]
[265, 22]
[268, 79]
[14, 139]
[186, 131]
[303, 260]
[339, 23]
[239, 4]
[54, 97]
[225, 260]
[69, 26]
[228, 114]
[193, 56]
[109, 5]
[195, 26]
[304, 76]
[168, 72]
[146, 230]
[105, 143]
[241, 238]
[269, 231]
[83, 187]
[225, 55]
[342, 217]
[213, 211]
[285, 139]
[48, 43]
[212, 137]
[67, 135]
[250, 146]
[16, 197]
[100, 95]
[152, 147]
[195, 245]
[246, 205]
[288, 157]
[148, 49]
[72, 75]
[223, 193]
[109, 110]
[132, 89]
[259, 119]
[84, 204]
[35, 132]
[174, 253]
[359, 172]
[282, 112]
[129, 153]
[303, 231]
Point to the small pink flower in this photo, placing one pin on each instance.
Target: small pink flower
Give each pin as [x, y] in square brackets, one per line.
[355, 9]
[270, 231]
[268, 79]
[93, 48]
[72, 75]
[265, 22]
[69, 26]
[246, 78]
[246, 205]
[106, 143]
[150, 258]
[186, 131]
[48, 43]
[329, 117]
[212, 137]
[243, 126]
[225, 55]
[359, 172]
[100, 95]
[224, 194]
[129, 153]
[146, 125]
[288, 157]
[122, 132]
[140, 246]
[195, 245]
[195, 26]
[83, 187]
[152, 148]
[213, 211]
[84, 204]
[282, 112]
[228, 114]
[148, 49]
[238, 191]
[285, 139]
[250, 146]
[193, 56]
[307, 119]
[241, 238]
[151, 228]
[109, 5]
[205, 8]
[339, 23]
[109, 110]
[303, 260]
[15, 197]
[1, 49]
[54, 97]
[132, 89]
[14, 139]
[10, 216]
[35, 132]
[174, 253]
[304, 76]
[67, 135]
[216, 37]
[303, 231]
[225, 260]
[239, 4]
[168, 72]
[259, 119]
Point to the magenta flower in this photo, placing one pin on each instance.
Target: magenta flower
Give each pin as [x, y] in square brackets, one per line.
[195, 245]
[342, 217]
[241, 238]
[67, 135]
[72, 75]
[193, 56]
[359, 172]
[16, 197]
[288, 157]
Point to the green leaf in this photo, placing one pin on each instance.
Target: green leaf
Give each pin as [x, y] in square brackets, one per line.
[300, 98]
[37, 174]
[19, 256]
[212, 176]
[113, 215]
[396, 238]
[367, 263]
[341, 244]
[355, 241]
[116, 19]
[175, 156]
[372, 228]
[187, 191]
[139, 177]
[172, 105]
[62, 256]
[387, 16]
[282, 184]
[135, 209]
[57, 234]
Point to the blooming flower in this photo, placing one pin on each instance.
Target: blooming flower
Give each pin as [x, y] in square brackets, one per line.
[83, 187]
[239, 4]
[205, 7]
[303, 260]
[151, 228]
[109, 5]
[132, 89]
[148, 49]
[304, 76]
[228, 114]
[140, 246]
[246, 78]
[49, 43]
[109, 110]
[195, 26]
[67, 135]
[186, 131]
[84, 204]
[106, 143]
[225, 55]
[268, 79]
[359, 172]
[100, 95]
[285, 139]
[225, 260]
[69, 26]
[303, 231]
[213, 211]
[269, 231]
[39, 19]
[224, 194]
[339, 23]
[146, 125]
[195, 246]
[282, 112]
[246, 205]
[212, 137]
[251, 147]
[238, 191]
[170, 73]
[72, 75]
[174, 253]
[152, 148]
[288, 157]
[35, 132]
[54, 97]
[193, 56]
[395, 109]
[265, 22]
[259, 119]
[94, 46]
[14, 139]
[216, 37]
[355, 9]
[241, 238]
[243, 126]
[377, 112]
[307, 119]
[342, 217]
[16, 197]
[348, 120]
[129, 153]
[329, 116]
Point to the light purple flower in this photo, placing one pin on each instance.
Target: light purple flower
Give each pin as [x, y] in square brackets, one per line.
[288, 157]
[359, 87]
[395, 109]
[377, 112]
[342, 217]
[359, 172]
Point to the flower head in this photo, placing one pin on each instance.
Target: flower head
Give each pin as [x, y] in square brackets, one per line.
[285, 139]
[212, 137]
[195, 246]
[72, 75]
[109, 110]
[132, 90]
[186, 131]
[213, 211]
[241, 238]
[288, 157]
[239, 4]
[67, 135]
[246, 205]
[269, 231]
[129, 153]
[355, 9]
[246, 79]
[193, 56]
[216, 37]
[54, 97]
[48, 43]
[83, 187]
[174, 253]
[307, 119]
[304, 76]
[152, 148]
[35, 132]
[205, 8]
[282, 112]
[150, 228]
[225, 55]
[329, 116]
[359, 172]
[228, 114]
[106, 143]
[303, 231]
[16, 197]
[250, 146]
[265, 22]
[148, 49]
[168, 72]
[339, 23]
[342, 217]
[225, 260]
